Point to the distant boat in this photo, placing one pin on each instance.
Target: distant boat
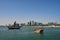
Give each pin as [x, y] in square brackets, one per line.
[14, 26]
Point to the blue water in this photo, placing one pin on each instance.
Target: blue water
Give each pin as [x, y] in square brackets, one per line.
[29, 34]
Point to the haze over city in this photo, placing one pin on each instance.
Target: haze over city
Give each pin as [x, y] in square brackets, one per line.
[23, 11]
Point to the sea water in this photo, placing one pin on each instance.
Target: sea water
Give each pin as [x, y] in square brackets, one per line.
[29, 34]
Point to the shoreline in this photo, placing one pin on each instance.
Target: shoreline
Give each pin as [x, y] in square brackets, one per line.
[43, 26]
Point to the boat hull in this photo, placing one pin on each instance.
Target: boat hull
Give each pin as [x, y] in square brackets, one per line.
[14, 27]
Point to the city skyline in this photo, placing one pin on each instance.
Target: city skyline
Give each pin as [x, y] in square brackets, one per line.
[23, 11]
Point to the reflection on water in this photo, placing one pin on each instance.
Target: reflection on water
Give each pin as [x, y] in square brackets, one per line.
[29, 34]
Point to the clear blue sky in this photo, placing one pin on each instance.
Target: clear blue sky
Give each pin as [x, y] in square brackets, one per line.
[24, 10]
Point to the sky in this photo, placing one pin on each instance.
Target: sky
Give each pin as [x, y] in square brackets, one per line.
[23, 11]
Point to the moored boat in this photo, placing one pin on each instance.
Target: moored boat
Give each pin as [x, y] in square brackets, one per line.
[14, 26]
